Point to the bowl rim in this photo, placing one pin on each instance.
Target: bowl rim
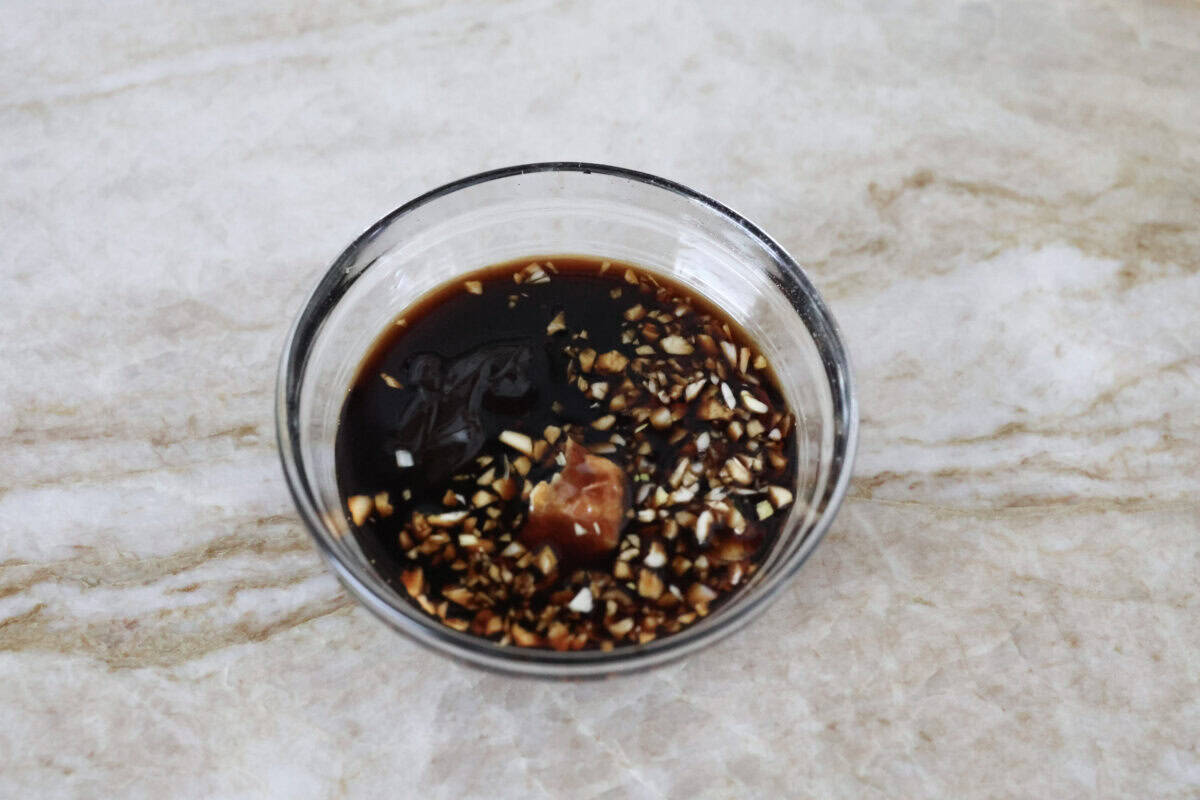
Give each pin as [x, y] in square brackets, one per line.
[483, 653]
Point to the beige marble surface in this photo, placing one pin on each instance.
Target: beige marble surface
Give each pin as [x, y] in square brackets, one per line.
[1001, 201]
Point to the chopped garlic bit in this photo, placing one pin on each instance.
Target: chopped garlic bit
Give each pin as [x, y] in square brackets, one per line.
[676, 345]
[517, 441]
[657, 557]
[753, 404]
[582, 602]
[730, 351]
[360, 506]
[779, 496]
[703, 525]
[447, 518]
[727, 396]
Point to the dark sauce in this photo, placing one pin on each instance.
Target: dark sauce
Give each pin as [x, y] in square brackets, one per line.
[422, 427]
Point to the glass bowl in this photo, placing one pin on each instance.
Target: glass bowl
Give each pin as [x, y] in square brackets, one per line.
[544, 210]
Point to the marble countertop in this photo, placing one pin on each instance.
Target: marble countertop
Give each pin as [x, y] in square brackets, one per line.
[1000, 201]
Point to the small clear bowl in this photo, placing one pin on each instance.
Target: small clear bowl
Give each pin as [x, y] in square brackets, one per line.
[565, 209]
